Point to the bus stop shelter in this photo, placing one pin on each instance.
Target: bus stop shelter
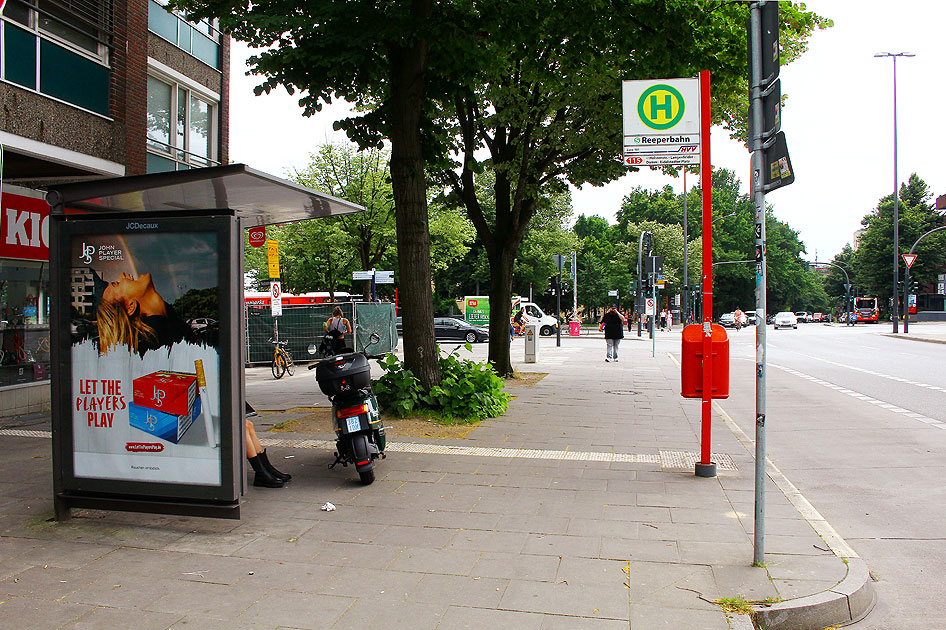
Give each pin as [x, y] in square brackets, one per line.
[148, 408]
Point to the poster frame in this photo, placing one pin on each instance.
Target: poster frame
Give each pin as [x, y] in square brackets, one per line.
[221, 501]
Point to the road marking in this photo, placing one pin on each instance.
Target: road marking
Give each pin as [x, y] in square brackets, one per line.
[868, 399]
[898, 379]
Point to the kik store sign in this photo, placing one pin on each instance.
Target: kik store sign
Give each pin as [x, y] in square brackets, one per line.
[24, 227]
[661, 122]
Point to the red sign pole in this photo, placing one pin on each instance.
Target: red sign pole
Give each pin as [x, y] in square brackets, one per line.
[705, 467]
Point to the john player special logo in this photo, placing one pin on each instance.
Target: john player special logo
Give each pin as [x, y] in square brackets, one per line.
[158, 397]
[105, 252]
[87, 251]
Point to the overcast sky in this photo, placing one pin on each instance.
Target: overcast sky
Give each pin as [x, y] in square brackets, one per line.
[838, 122]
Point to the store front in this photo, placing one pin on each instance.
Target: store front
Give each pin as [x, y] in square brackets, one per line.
[24, 302]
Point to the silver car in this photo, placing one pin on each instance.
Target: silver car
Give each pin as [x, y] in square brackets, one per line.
[785, 319]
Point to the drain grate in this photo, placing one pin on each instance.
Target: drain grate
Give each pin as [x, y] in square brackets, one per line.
[622, 392]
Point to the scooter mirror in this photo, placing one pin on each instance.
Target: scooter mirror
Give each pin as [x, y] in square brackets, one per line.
[311, 349]
[374, 338]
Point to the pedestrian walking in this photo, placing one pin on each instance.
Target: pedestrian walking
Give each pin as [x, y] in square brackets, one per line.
[612, 323]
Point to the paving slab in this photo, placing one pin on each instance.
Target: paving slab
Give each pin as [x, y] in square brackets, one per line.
[598, 523]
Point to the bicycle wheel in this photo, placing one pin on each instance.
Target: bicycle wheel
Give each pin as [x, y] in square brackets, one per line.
[290, 364]
[279, 365]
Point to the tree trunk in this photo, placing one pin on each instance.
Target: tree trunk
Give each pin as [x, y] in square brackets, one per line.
[408, 67]
[500, 308]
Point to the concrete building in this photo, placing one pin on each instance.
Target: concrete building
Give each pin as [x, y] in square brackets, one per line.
[90, 89]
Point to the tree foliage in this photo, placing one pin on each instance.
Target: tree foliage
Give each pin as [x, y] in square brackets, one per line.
[321, 255]
[873, 259]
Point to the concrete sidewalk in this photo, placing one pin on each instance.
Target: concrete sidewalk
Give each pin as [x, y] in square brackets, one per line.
[578, 509]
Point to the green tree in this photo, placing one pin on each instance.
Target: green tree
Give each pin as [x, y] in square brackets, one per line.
[545, 107]
[835, 279]
[874, 256]
[361, 177]
[388, 59]
[451, 235]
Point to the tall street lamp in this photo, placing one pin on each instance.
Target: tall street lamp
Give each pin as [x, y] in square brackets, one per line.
[896, 193]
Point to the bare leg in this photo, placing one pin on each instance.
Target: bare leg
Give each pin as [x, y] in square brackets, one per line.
[253, 447]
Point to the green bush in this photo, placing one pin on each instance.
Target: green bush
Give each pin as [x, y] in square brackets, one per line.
[468, 391]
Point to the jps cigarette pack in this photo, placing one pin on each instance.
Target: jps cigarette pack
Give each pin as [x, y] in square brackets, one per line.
[166, 426]
[170, 392]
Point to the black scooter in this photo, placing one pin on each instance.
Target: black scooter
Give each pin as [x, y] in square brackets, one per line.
[346, 380]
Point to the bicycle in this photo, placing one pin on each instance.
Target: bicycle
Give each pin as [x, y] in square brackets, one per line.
[282, 360]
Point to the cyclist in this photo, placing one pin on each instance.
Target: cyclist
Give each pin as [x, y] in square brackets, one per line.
[737, 317]
[338, 326]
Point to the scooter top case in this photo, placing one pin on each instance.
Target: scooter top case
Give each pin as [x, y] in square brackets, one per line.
[344, 374]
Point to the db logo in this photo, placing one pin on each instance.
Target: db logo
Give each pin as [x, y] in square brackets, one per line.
[631, 161]
[257, 236]
[472, 303]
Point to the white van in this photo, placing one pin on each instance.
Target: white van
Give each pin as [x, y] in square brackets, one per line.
[547, 324]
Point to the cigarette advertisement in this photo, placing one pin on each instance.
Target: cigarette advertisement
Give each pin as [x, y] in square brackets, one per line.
[144, 333]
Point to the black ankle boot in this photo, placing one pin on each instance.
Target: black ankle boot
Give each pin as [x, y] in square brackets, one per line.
[272, 469]
[263, 478]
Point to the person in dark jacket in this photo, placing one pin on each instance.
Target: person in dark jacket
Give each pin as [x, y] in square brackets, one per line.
[613, 326]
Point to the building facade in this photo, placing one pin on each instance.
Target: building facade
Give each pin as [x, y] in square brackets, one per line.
[89, 89]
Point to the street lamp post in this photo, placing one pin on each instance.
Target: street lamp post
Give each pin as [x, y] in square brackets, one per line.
[896, 193]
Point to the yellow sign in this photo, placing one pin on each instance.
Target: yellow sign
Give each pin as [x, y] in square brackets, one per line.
[272, 256]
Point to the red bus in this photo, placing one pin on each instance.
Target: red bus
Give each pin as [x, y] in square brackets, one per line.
[866, 309]
[262, 298]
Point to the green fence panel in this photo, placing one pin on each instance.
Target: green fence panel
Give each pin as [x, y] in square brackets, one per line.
[305, 325]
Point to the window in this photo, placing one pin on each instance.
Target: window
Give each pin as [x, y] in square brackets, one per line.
[81, 25]
[201, 39]
[181, 127]
[24, 322]
[59, 48]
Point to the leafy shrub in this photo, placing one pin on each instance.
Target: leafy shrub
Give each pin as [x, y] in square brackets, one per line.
[468, 390]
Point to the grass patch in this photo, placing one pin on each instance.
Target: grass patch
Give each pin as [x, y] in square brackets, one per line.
[739, 605]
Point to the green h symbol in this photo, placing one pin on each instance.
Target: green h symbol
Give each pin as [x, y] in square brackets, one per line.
[666, 106]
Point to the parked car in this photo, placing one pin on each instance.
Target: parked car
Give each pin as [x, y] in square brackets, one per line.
[727, 320]
[785, 319]
[452, 328]
[819, 317]
[200, 323]
[751, 318]
[803, 316]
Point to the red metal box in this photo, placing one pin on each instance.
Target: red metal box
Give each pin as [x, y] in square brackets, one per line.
[691, 366]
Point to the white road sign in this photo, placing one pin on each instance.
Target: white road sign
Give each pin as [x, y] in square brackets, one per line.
[361, 275]
[275, 302]
[661, 122]
[384, 277]
[650, 308]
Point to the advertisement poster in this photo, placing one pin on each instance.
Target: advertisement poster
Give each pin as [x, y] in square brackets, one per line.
[145, 391]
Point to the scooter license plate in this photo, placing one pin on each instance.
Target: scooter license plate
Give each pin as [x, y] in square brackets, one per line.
[354, 424]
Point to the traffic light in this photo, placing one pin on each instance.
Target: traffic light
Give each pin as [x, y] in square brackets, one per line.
[913, 286]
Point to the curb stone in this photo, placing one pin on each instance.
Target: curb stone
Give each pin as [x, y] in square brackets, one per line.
[848, 601]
